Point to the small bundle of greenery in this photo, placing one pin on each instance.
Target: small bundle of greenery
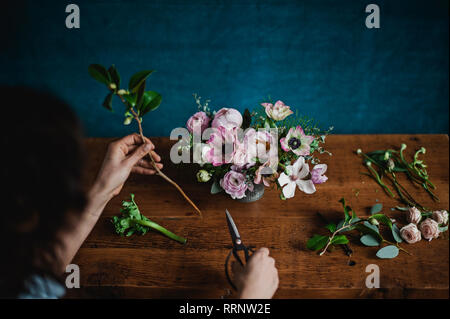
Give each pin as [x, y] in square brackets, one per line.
[387, 164]
[137, 101]
[367, 227]
[133, 222]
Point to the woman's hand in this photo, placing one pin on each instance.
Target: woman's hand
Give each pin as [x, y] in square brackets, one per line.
[259, 278]
[123, 157]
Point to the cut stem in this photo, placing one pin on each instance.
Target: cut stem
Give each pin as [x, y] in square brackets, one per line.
[158, 171]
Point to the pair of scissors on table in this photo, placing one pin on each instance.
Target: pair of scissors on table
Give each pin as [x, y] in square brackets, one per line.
[237, 246]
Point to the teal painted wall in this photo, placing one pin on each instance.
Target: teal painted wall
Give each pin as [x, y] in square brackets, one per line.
[317, 56]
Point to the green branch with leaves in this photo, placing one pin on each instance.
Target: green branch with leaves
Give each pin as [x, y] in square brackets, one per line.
[137, 101]
[387, 164]
[367, 227]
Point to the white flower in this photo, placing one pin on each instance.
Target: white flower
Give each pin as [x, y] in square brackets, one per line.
[295, 176]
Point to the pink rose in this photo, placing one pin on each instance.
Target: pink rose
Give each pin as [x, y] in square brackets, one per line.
[234, 183]
[278, 112]
[440, 216]
[413, 215]
[429, 229]
[410, 233]
[228, 118]
[199, 118]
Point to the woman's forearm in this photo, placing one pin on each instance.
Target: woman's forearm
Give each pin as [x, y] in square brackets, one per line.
[80, 225]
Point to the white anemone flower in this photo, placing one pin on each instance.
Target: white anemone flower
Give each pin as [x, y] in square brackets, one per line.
[295, 177]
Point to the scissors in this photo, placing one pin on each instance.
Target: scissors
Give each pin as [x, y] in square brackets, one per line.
[237, 246]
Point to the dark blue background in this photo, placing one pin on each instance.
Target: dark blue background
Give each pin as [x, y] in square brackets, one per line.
[317, 56]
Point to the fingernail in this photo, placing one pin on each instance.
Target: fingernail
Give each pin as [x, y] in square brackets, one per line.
[147, 147]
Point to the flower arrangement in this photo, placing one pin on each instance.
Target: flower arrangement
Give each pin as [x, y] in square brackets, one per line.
[269, 146]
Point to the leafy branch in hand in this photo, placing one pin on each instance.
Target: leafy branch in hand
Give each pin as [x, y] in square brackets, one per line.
[132, 221]
[367, 227]
[137, 101]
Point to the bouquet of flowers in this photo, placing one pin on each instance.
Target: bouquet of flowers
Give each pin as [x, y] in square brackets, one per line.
[269, 146]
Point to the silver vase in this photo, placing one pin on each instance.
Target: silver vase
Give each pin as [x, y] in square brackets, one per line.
[253, 196]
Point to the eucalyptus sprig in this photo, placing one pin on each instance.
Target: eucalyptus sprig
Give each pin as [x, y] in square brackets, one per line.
[388, 163]
[138, 102]
[367, 227]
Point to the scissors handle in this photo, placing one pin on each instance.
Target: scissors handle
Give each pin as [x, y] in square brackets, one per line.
[233, 252]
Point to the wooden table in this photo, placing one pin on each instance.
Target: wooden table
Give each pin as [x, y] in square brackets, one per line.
[153, 266]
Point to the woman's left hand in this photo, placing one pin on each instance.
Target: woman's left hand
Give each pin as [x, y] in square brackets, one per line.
[124, 156]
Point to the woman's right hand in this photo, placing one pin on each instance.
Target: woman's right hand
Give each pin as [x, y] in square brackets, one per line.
[259, 278]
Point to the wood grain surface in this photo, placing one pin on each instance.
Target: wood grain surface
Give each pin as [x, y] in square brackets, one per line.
[153, 266]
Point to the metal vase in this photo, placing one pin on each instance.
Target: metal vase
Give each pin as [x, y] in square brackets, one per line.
[253, 196]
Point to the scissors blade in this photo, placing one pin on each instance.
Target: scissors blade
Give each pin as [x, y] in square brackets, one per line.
[233, 229]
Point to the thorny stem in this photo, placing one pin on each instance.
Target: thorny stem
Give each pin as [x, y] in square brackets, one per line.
[158, 171]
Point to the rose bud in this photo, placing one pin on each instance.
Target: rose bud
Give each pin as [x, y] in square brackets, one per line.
[413, 215]
[410, 233]
[429, 229]
[121, 92]
[203, 176]
[373, 221]
[112, 86]
[440, 216]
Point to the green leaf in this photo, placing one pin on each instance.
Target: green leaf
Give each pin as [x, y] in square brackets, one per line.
[331, 227]
[247, 119]
[107, 103]
[131, 99]
[99, 73]
[347, 210]
[383, 219]
[388, 252]
[396, 234]
[140, 97]
[137, 79]
[339, 240]
[363, 228]
[114, 75]
[369, 240]
[374, 227]
[317, 242]
[376, 208]
[404, 209]
[443, 229]
[215, 187]
[151, 101]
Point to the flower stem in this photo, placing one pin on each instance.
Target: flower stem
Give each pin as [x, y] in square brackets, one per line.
[158, 171]
[162, 230]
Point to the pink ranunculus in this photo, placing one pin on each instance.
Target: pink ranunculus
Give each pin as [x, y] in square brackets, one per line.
[240, 155]
[234, 184]
[440, 216]
[219, 138]
[199, 118]
[258, 144]
[278, 112]
[317, 174]
[413, 215]
[228, 118]
[410, 233]
[429, 229]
